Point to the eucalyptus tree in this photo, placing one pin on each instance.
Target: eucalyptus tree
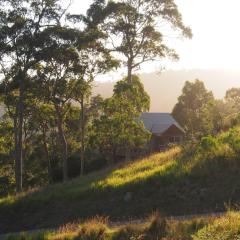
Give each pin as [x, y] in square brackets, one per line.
[55, 76]
[95, 60]
[42, 122]
[137, 29]
[194, 109]
[117, 130]
[22, 23]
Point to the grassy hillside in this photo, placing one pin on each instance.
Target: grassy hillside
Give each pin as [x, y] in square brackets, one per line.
[226, 227]
[196, 179]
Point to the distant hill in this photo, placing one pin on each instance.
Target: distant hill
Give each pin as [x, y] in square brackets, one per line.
[164, 88]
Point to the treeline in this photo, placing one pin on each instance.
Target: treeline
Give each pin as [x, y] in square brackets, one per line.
[49, 60]
[200, 114]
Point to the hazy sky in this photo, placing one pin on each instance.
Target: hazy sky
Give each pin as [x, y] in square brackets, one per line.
[216, 41]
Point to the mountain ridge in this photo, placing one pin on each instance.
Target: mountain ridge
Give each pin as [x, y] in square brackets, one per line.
[164, 88]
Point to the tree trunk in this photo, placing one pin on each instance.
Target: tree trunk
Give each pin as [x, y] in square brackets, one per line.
[63, 142]
[47, 154]
[18, 136]
[82, 135]
[129, 76]
[114, 155]
[17, 165]
[128, 154]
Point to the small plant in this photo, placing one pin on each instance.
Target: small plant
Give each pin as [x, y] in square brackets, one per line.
[183, 230]
[225, 228]
[70, 227]
[94, 229]
[129, 232]
[208, 143]
[157, 228]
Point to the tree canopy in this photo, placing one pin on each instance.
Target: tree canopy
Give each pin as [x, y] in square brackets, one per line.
[135, 29]
[193, 109]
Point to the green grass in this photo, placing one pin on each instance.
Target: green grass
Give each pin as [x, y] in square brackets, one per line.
[226, 227]
[189, 180]
[155, 227]
[100, 193]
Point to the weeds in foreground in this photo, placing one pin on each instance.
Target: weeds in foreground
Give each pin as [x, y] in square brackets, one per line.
[226, 228]
[157, 228]
[94, 229]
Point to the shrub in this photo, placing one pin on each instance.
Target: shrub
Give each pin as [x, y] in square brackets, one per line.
[183, 230]
[226, 228]
[94, 229]
[208, 143]
[129, 232]
[157, 228]
[233, 139]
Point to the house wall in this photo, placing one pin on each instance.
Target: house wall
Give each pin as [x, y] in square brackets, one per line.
[172, 135]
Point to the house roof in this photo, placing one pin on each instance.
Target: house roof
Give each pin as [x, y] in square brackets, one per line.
[158, 123]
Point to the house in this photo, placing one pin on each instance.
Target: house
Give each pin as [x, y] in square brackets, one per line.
[164, 129]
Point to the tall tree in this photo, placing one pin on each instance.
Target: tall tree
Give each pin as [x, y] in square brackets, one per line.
[95, 59]
[135, 29]
[55, 76]
[134, 93]
[233, 98]
[21, 25]
[193, 109]
[118, 129]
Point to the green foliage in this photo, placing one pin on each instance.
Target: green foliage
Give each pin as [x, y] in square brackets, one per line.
[133, 31]
[134, 93]
[233, 139]
[7, 180]
[208, 143]
[108, 186]
[233, 97]
[225, 228]
[195, 110]
[118, 129]
[204, 179]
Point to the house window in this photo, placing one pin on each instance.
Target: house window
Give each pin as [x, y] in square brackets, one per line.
[174, 139]
[177, 139]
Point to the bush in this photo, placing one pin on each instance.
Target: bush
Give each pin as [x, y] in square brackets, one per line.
[129, 232]
[183, 230]
[94, 229]
[157, 228]
[233, 139]
[226, 228]
[208, 143]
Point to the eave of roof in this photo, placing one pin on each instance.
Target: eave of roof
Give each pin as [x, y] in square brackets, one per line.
[158, 123]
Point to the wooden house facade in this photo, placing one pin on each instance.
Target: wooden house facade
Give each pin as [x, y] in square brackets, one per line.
[164, 128]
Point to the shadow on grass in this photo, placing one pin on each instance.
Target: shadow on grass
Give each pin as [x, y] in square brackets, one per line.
[172, 190]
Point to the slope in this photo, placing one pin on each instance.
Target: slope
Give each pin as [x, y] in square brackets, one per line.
[189, 180]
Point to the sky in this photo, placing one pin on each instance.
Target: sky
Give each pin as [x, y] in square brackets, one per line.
[216, 35]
